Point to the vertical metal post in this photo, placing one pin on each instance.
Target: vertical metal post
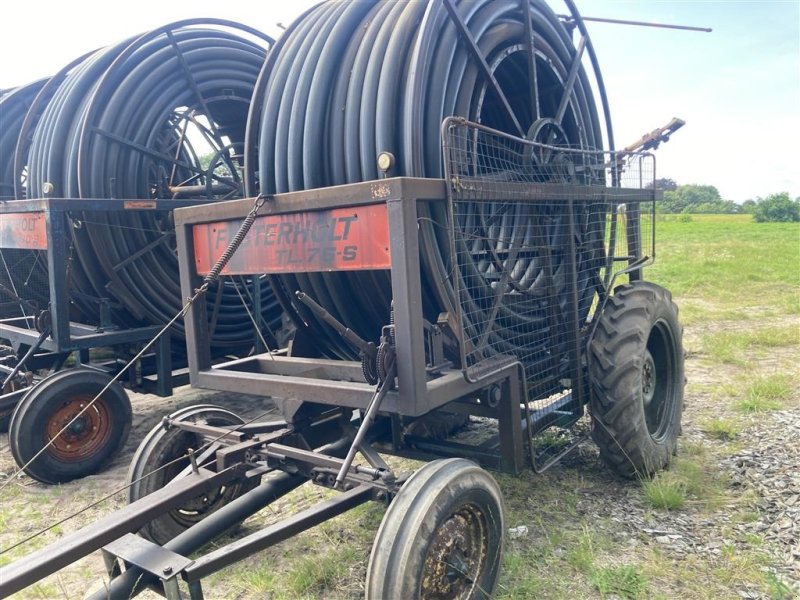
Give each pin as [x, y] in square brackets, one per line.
[652, 211]
[198, 349]
[171, 589]
[111, 564]
[57, 256]
[634, 214]
[575, 337]
[509, 423]
[164, 365]
[407, 294]
[612, 240]
[195, 590]
[259, 344]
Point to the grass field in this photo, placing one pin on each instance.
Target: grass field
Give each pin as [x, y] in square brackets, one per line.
[728, 267]
[737, 284]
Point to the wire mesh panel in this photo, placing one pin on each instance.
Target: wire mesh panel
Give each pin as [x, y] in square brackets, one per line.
[630, 231]
[23, 282]
[539, 233]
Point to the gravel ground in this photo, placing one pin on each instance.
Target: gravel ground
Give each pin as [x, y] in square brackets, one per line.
[766, 465]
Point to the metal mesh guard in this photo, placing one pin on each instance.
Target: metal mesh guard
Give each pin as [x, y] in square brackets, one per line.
[23, 282]
[540, 234]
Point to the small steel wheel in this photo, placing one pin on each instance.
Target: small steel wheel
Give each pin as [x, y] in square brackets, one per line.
[162, 456]
[92, 436]
[442, 536]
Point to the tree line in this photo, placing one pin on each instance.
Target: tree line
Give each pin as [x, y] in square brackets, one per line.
[705, 199]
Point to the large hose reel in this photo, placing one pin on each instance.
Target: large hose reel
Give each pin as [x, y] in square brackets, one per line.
[349, 81]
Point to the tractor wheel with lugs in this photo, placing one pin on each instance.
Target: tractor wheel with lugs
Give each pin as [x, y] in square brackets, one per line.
[636, 366]
[442, 536]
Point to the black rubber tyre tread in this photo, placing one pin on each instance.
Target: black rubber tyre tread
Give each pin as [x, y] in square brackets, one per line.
[431, 495]
[27, 433]
[159, 447]
[616, 358]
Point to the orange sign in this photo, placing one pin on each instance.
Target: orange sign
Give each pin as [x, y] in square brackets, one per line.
[341, 239]
[139, 204]
[26, 231]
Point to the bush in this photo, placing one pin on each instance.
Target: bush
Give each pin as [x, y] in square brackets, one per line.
[696, 199]
[777, 208]
[748, 207]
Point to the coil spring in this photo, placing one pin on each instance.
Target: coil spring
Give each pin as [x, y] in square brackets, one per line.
[237, 240]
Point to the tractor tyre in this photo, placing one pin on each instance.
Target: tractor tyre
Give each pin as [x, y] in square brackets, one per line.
[637, 374]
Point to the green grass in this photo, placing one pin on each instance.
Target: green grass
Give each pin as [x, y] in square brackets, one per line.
[709, 577]
[777, 589]
[692, 479]
[583, 554]
[625, 581]
[320, 572]
[737, 347]
[727, 266]
[764, 393]
[721, 429]
[664, 492]
[254, 582]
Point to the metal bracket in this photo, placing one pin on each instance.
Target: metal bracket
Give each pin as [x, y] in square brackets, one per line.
[149, 557]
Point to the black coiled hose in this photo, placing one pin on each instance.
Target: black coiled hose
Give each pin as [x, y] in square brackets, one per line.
[350, 80]
[20, 271]
[14, 105]
[133, 121]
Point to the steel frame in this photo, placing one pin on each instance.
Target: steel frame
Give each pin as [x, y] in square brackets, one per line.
[148, 564]
[293, 380]
[340, 383]
[65, 336]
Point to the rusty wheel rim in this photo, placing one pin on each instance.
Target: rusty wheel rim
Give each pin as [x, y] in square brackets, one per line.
[457, 556]
[85, 434]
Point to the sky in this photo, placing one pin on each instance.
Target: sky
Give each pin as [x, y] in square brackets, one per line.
[738, 88]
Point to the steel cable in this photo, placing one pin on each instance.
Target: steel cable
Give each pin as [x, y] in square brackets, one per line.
[350, 80]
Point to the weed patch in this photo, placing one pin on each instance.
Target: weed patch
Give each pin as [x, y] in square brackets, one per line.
[321, 572]
[665, 493]
[721, 429]
[620, 582]
[777, 589]
[764, 393]
[692, 479]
